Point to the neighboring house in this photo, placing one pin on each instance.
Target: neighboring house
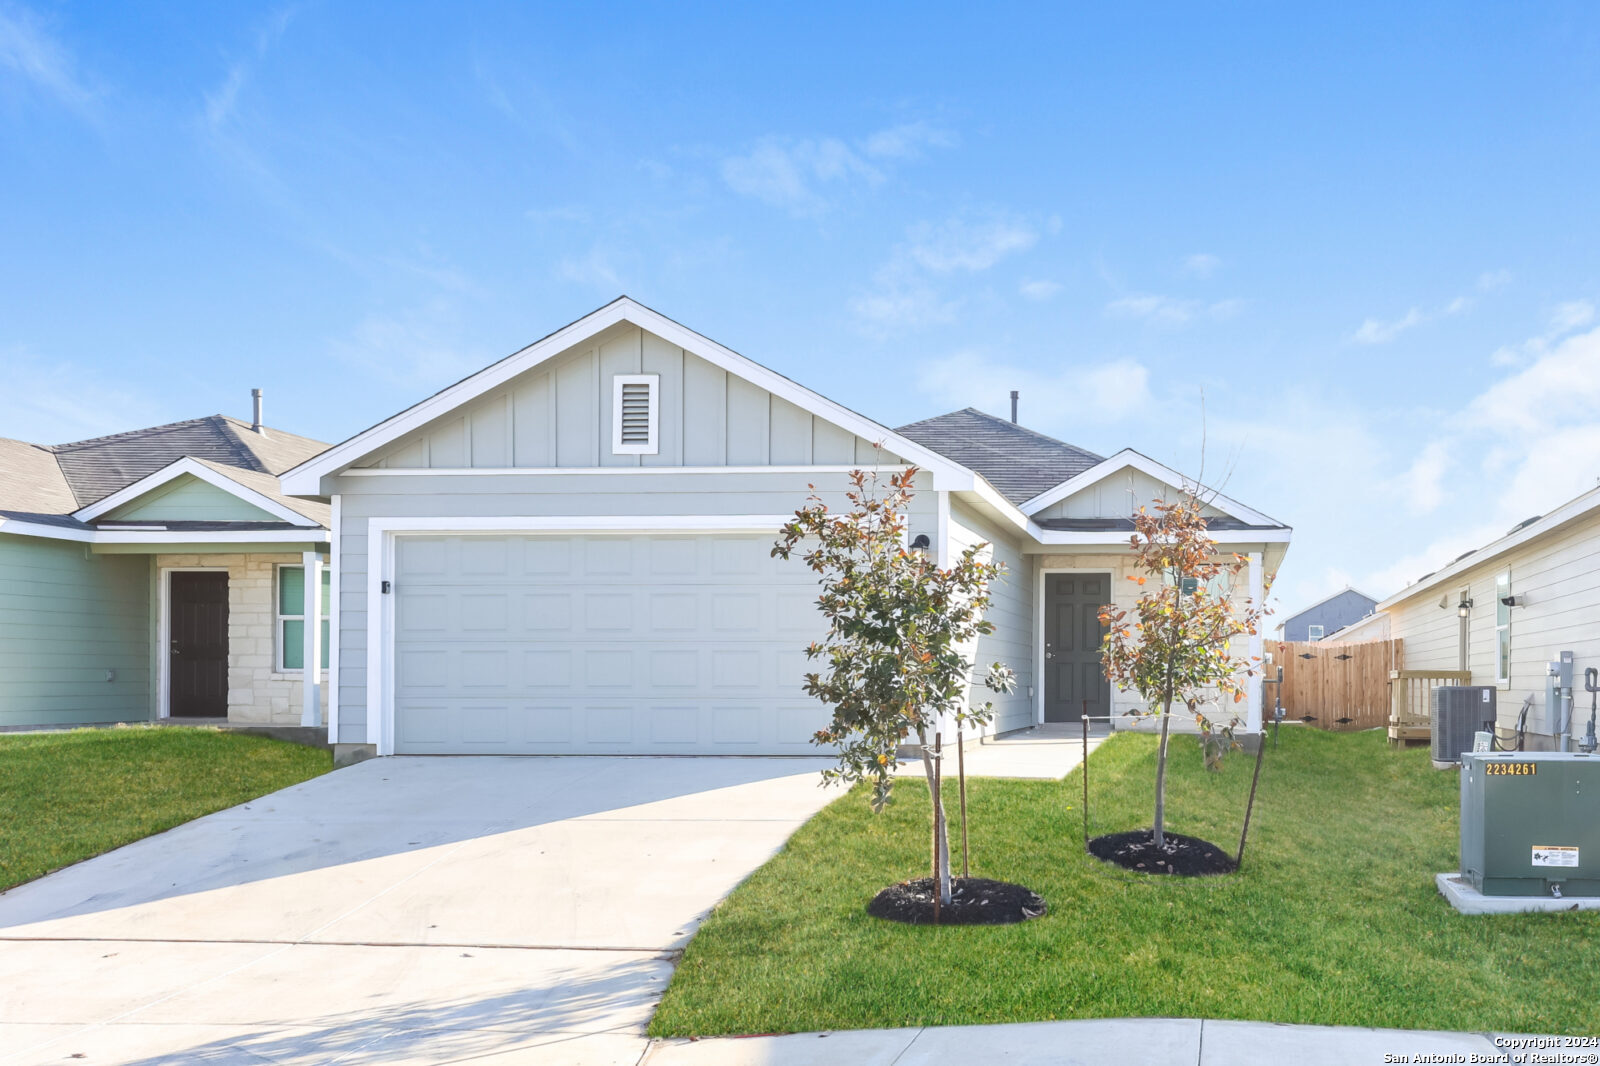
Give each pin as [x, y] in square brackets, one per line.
[570, 551]
[1327, 616]
[157, 573]
[1528, 596]
[1374, 626]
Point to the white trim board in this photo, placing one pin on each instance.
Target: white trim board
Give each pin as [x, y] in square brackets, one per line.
[590, 471]
[192, 468]
[307, 535]
[383, 531]
[306, 479]
[1144, 464]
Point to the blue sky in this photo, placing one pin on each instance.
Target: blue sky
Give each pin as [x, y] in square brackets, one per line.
[1365, 234]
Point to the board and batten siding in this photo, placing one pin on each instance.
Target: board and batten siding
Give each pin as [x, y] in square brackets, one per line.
[67, 617]
[1116, 496]
[515, 495]
[1011, 609]
[558, 414]
[1559, 574]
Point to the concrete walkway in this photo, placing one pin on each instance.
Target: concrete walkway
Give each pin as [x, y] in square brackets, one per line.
[1045, 752]
[1136, 1041]
[401, 910]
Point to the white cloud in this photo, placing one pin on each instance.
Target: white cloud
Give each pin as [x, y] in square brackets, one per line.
[904, 292]
[1201, 265]
[1375, 331]
[29, 51]
[907, 141]
[800, 175]
[1421, 486]
[1039, 290]
[1491, 280]
[595, 267]
[1171, 310]
[1379, 331]
[967, 244]
[221, 103]
[1094, 392]
[1564, 318]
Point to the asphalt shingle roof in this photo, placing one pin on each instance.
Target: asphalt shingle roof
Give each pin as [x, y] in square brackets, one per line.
[46, 483]
[1017, 461]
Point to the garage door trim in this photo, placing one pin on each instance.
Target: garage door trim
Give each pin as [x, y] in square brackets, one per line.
[383, 532]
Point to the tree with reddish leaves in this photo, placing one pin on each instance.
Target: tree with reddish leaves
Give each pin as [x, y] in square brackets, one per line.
[1175, 645]
[901, 630]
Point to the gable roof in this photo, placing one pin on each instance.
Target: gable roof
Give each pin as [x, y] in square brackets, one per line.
[305, 479]
[257, 489]
[1332, 596]
[1248, 517]
[51, 485]
[1019, 462]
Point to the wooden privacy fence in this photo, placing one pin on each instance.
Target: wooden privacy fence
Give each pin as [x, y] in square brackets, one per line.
[1329, 682]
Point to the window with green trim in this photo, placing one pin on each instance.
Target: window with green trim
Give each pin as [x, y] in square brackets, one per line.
[292, 617]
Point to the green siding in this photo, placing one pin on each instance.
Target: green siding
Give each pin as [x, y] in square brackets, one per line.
[67, 617]
[188, 499]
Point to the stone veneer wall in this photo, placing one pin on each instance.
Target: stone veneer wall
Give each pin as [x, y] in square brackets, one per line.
[257, 693]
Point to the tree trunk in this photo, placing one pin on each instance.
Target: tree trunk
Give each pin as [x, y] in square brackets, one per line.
[1161, 772]
[961, 774]
[941, 846]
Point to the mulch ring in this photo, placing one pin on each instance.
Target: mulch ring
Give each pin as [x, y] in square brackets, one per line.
[1181, 855]
[974, 901]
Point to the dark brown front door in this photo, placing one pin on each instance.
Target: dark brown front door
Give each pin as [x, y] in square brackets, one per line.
[1072, 635]
[198, 650]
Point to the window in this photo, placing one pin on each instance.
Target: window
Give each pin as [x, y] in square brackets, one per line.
[1502, 629]
[635, 417]
[291, 636]
[1314, 632]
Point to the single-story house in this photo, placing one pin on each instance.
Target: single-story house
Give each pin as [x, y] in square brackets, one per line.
[569, 551]
[1506, 610]
[159, 573]
[1327, 616]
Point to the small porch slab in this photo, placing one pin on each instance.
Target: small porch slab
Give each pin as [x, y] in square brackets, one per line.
[1045, 752]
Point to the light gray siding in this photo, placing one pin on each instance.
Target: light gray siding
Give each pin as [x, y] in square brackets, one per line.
[1117, 496]
[508, 495]
[67, 618]
[559, 415]
[1011, 610]
[1558, 575]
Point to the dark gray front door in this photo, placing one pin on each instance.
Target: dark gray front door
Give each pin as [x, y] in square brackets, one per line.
[1072, 633]
[198, 667]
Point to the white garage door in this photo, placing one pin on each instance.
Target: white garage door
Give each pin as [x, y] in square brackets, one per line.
[601, 644]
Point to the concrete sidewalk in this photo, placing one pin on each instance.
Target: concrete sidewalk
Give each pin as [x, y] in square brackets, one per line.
[1136, 1041]
[1046, 752]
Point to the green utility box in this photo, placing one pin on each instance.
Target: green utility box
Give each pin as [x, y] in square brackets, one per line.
[1530, 823]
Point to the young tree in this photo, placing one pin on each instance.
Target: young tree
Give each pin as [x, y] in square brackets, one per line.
[1175, 646]
[900, 629]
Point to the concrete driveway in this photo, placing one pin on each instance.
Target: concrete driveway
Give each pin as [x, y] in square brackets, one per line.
[497, 910]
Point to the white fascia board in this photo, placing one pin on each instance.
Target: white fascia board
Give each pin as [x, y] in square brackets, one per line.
[188, 466]
[695, 523]
[1567, 512]
[601, 471]
[1161, 472]
[309, 534]
[306, 479]
[1048, 539]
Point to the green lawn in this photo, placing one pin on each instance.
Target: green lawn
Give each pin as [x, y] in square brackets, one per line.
[67, 796]
[1333, 920]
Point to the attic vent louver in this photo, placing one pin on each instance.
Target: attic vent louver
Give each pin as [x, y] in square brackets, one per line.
[635, 414]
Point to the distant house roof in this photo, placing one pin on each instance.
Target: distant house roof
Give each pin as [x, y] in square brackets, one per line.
[1331, 596]
[1019, 462]
[45, 484]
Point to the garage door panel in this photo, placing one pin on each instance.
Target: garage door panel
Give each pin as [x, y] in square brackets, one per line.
[602, 645]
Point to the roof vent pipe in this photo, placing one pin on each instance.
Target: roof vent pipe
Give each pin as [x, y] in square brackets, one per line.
[255, 417]
[1013, 406]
